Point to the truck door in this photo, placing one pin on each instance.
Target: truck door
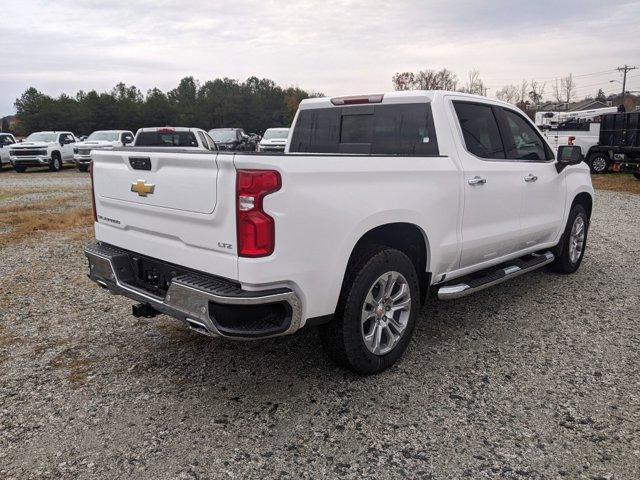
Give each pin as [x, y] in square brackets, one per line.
[543, 201]
[66, 141]
[493, 186]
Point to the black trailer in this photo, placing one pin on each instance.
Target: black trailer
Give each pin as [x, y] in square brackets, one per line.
[619, 143]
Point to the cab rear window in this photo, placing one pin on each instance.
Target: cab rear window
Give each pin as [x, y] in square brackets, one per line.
[169, 139]
[398, 129]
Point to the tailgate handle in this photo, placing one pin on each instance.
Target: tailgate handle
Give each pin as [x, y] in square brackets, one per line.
[140, 163]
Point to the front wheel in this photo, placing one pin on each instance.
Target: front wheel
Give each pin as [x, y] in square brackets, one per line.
[599, 163]
[637, 176]
[83, 168]
[55, 164]
[570, 250]
[376, 313]
[19, 168]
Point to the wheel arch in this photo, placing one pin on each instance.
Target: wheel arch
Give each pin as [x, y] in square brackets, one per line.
[586, 200]
[406, 237]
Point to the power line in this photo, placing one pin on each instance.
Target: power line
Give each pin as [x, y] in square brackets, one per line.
[556, 77]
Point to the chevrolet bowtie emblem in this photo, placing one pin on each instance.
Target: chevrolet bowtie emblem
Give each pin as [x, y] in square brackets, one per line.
[142, 188]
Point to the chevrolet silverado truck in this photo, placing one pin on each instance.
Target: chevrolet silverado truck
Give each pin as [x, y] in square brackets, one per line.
[274, 140]
[98, 140]
[7, 140]
[43, 149]
[375, 200]
[168, 137]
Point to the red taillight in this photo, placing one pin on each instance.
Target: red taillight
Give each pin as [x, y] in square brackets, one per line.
[571, 139]
[93, 193]
[165, 130]
[357, 99]
[256, 229]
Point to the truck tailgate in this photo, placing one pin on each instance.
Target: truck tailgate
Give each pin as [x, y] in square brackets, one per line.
[171, 205]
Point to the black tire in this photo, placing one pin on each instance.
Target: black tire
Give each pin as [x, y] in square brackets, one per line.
[599, 163]
[637, 176]
[343, 338]
[19, 168]
[564, 263]
[83, 168]
[55, 165]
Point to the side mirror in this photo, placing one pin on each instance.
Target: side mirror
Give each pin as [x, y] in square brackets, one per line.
[568, 155]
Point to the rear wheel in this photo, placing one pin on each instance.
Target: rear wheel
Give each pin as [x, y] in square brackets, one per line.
[599, 163]
[570, 250]
[376, 313]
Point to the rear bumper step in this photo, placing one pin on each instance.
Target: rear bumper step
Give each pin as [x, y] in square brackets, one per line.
[451, 292]
[209, 305]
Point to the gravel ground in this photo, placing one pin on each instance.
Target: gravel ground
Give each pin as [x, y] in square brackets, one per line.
[536, 378]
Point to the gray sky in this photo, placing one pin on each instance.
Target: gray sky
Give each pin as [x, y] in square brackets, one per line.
[332, 46]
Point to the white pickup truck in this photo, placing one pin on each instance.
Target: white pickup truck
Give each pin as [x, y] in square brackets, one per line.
[96, 141]
[376, 199]
[7, 140]
[43, 149]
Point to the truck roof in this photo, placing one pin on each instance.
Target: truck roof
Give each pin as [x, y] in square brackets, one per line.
[406, 96]
[117, 131]
[167, 128]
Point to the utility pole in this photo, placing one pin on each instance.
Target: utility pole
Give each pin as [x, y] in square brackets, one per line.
[624, 71]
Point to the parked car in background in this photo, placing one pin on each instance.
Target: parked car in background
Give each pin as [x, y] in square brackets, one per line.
[6, 141]
[97, 140]
[376, 199]
[183, 137]
[42, 149]
[274, 140]
[232, 139]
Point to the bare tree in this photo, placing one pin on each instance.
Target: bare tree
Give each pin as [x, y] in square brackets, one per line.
[427, 79]
[523, 92]
[403, 81]
[536, 92]
[565, 90]
[509, 94]
[474, 84]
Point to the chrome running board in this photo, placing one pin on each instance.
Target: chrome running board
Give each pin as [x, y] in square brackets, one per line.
[451, 292]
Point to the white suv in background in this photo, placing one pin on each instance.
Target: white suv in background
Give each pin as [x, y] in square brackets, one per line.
[97, 140]
[274, 140]
[6, 141]
[42, 149]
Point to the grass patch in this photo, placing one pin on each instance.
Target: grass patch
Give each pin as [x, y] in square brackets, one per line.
[19, 222]
[617, 182]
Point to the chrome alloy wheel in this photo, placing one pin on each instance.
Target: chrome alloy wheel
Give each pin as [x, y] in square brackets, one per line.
[576, 239]
[385, 313]
[599, 164]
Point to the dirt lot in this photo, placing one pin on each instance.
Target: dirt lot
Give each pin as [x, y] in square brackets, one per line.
[537, 378]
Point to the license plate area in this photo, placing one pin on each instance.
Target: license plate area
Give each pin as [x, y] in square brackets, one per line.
[153, 276]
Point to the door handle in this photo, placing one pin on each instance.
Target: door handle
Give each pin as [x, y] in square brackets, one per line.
[530, 178]
[477, 181]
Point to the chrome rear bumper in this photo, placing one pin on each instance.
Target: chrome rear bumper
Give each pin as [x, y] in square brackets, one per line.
[199, 300]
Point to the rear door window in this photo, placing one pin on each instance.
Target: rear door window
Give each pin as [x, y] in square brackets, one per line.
[211, 143]
[203, 140]
[479, 129]
[168, 139]
[397, 129]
